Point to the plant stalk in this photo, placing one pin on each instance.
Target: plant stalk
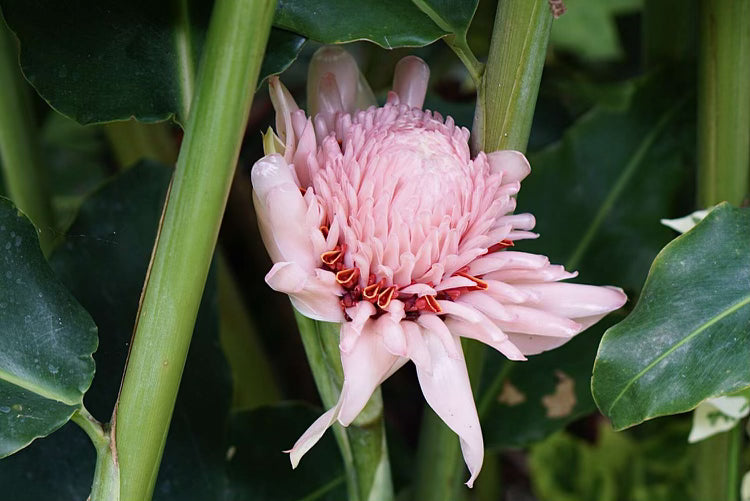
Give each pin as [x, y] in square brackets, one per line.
[724, 102]
[723, 174]
[19, 148]
[506, 99]
[362, 444]
[233, 52]
[510, 85]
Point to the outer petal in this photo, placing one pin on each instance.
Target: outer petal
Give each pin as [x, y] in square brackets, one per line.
[448, 391]
[335, 60]
[365, 367]
[284, 104]
[281, 210]
[512, 164]
[315, 295]
[313, 434]
[575, 300]
[410, 81]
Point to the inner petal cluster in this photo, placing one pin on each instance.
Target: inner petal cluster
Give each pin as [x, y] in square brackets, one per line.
[406, 208]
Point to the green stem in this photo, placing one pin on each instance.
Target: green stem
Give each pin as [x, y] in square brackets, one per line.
[507, 96]
[19, 151]
[234, 48]
[255, 382]
[362, 444]
[132, 141]
[506, 99]
[724, 102]
[106, 484]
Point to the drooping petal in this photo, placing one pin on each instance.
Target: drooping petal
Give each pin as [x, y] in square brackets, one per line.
[448, 391]
[313, 434]
[410, 81]
[366, 365]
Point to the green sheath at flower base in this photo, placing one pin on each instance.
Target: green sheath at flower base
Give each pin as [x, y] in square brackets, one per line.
[228, 73]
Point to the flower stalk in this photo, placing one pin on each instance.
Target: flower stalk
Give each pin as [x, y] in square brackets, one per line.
[187, 237]
[506, 98]
[362, 444]
[19, 151]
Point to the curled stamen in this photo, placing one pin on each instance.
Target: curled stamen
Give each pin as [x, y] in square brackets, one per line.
[481, 285]
[324, 231]
[331, 257]
[503, 244]
[428, 303]
[370, 293]
[347, 278]
[385, 297]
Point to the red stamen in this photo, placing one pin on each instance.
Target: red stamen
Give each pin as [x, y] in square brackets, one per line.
[481, 285]
[324, 231]
[370, 293]
[432, 304]
[347, 278]
[385, 297]
[503, 244]
[331, 257]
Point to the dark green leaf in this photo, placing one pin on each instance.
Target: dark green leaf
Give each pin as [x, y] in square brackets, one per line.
[688, 337]
[283, 48]
[599, 193]
[103, 261]
[258, 470]
[46, 339]
[98, 61]
[453, 16]
[388, 23]
[542, 395]
[588, 27]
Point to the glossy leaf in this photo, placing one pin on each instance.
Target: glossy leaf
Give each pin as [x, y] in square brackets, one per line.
[388, 23]
[103, 261]
[688, 337]
[258, 470]
[98, 61]
[453, 16]
[598, 194]
[46, 339]
[282, 49]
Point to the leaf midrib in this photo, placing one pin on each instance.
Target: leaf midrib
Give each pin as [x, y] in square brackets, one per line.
[621, 183]
[47, 393]
[725, 313]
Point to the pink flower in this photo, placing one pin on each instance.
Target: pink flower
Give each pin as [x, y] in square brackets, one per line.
[380, 219]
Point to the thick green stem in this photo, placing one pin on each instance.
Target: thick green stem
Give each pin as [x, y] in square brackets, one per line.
[182, 255]
[724, 102]
[19, 151]
[505, 107]
[510, 85]
[362, 444]
[132, 140]
[723, 174]
[106, 484]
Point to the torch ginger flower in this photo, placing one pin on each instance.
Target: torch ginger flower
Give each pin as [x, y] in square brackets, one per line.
[381, 220]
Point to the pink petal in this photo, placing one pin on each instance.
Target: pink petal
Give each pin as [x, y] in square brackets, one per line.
[488, 333]
[575, 300]
[538, 322]
[410, 81]
[416, 346]
[505, 260]
[284, 104]
[448, 391]
[512, 164]
[338, 62]
[392, 334]
[280, 208]
[313, 434]
[437, 328]
[365, 367]
[315, 295]
[533, 345]
[419, 289]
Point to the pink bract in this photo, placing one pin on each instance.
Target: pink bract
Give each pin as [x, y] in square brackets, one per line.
[381, 220]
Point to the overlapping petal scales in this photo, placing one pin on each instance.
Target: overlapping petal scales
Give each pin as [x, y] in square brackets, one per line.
[381, 219]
